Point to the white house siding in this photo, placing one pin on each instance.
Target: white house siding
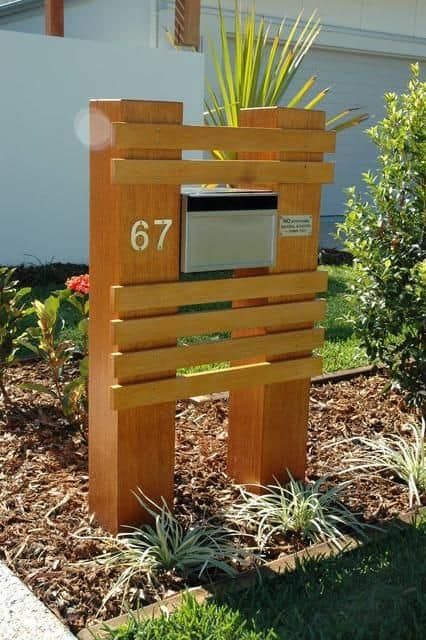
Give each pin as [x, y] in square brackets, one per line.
[365, 49]
[44, 172]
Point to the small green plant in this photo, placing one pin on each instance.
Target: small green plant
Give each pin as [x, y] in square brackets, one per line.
[261, 70]
[76, 294]
[13, 335]
[148, 551]
[386, 233]
[46, 340]
[311, 511]
[402, 457]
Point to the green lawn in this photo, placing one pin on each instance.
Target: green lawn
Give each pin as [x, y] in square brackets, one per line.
[377, 592]
[341, 350]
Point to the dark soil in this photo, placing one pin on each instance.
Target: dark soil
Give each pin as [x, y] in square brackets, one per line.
[44, 482]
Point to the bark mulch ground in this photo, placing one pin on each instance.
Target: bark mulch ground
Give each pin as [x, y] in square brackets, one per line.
[44, 483]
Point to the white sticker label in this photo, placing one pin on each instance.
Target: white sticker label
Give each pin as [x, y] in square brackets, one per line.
[295, 226]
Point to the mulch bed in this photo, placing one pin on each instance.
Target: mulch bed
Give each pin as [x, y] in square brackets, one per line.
[44, 483]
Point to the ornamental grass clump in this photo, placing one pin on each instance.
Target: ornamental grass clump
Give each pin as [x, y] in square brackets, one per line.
[310, 510]
[400, 456]
[148, 551]
[385, 230]
[261, 69]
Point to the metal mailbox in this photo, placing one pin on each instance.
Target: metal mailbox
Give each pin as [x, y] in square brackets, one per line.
[226, 228]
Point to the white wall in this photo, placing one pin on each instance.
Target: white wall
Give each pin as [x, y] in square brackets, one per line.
[127, 21]
[44, 176]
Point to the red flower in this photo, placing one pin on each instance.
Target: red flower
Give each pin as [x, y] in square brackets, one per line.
[79, 284]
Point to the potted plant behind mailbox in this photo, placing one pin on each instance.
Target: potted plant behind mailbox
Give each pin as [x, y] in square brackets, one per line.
[260, 71]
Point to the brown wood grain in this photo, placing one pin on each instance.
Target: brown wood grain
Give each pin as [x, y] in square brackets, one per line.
[187, 23]
[132, 448]
[216, 172]
[268, 424]
[129, 366]
[157, 391]
[54, 17]
[142, 332]
[156, 296]
[189, 137]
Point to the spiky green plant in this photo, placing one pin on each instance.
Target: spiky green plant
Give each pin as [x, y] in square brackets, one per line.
[395, 454]
[260, 72]
[149, 550]
[306, 509]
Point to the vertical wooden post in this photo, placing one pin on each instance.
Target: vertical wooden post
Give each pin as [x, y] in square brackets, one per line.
[54, 17]
[132, 448]
[187, 23]
[268, 424]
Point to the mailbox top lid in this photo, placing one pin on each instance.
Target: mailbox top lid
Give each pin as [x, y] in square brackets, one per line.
[200, 192]
[228, 199]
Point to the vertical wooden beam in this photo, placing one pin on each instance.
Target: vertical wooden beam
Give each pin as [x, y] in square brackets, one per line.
[54, 17]
[268, 424]
[187, 23]
[133, 448]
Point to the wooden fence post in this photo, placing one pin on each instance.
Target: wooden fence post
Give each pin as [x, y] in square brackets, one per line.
[54, 17]
[134, 447]
[268, 424]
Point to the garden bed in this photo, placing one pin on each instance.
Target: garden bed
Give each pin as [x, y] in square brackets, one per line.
[44, 518]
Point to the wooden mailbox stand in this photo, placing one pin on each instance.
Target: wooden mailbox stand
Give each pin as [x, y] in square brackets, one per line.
[135, 296]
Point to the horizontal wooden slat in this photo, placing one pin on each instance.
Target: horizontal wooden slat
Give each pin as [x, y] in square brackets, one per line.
[129, 333]
[137, 363]
[170, 136]
[174, 294]
[144, 393]
[220, 171]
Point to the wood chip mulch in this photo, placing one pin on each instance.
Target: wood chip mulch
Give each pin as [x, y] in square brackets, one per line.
[44, 518]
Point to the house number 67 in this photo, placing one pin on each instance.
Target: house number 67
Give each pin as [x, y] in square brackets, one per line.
[139, 235]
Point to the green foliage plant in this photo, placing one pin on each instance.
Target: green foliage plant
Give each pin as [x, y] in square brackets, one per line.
[167, 546]
[13, 335]
[76, 293]
[310, 510]
[261, 70]
[47, 341]
[385, 230]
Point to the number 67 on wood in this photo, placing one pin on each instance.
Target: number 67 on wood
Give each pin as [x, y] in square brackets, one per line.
[139, 235]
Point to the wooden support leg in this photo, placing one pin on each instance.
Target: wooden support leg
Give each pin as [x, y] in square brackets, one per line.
[128, 449]
[268, 424]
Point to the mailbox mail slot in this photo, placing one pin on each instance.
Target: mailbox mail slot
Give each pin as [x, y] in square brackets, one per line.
[228, 229]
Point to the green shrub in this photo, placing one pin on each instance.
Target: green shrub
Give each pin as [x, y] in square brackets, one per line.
[385, 232]
[13, 310]
[47, 341]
